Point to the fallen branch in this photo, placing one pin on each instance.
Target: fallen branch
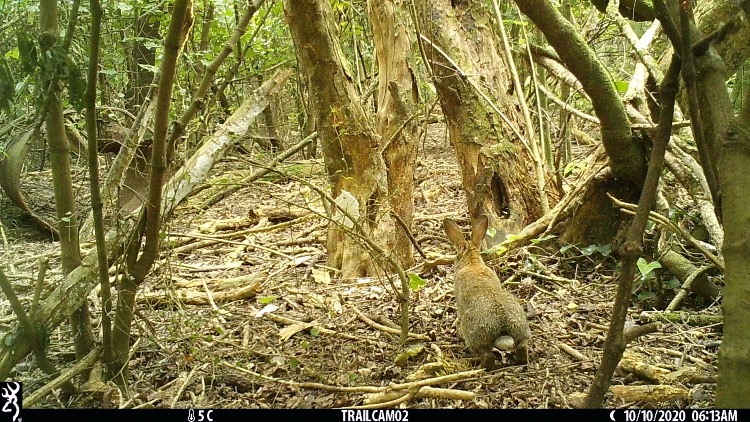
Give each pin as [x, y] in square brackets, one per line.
[382, 391]
[648, 393]
[664, 221]
[288, 321]
[634, 364]
[689, 318]
[258, 174]
[384, 328]
[573, 352]
[222, 291]
[393, 398]
[62, 379]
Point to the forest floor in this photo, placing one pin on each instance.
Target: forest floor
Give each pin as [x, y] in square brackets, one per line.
[239, 313]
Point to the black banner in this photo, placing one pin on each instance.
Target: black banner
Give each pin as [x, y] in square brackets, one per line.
[388, 415]
[11, 399]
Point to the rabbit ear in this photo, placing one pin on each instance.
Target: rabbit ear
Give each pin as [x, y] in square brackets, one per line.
[479, 230]
[453, 232]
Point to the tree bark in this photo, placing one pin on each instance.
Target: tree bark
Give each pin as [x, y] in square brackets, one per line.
[733, 388]
[491, 145]
[397, 98]
[150, 223]
[142, 58]
[351, 148]
[59, 152]
[626, 155]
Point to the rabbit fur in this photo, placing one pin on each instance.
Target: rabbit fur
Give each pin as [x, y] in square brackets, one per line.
[488, 314]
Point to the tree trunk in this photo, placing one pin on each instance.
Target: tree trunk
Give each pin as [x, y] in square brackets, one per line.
[351, 148]
[496, 164]
[733, 159]
[150, 223]
[733, 388]
[397, 95]
[59, 152]
[142, 58]
[594, 220]
[734, 49]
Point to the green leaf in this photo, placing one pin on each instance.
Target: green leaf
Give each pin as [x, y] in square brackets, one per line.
[605, 250]
[573, 167]
[150, 68]
[622, 86]
[305, 345]
[352, 376]
[294, 362]
[9, 340]
[28, 52]
[416, 282]
[124, 7]
[588, 250]
[646, 268]
[492, 232]
[543, 239]
[12, 54]
[512, 237]
[151, 45]
[410, 351]
[674, 283]
[266, 300]
[314, 331]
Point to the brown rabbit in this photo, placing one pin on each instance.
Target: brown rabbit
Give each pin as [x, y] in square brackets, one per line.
[488, 315]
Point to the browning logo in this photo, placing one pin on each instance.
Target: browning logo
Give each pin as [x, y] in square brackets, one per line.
[10, 392]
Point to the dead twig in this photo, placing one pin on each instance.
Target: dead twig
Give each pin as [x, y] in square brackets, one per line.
[384, 328]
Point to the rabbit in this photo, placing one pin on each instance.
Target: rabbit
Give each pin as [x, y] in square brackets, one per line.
[488, 315]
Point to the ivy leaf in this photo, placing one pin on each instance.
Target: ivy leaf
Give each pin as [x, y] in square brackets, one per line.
[416, 282]
[674, 283]
[605, 250]
[588, 250]
[646, 268]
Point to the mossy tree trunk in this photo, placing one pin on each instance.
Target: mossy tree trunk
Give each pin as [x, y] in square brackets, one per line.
[594, 221]
[732, 132]
[59, 153]
[733, 388]
[351, 148]
[497, 166]
[144, 246]
[142, 57]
